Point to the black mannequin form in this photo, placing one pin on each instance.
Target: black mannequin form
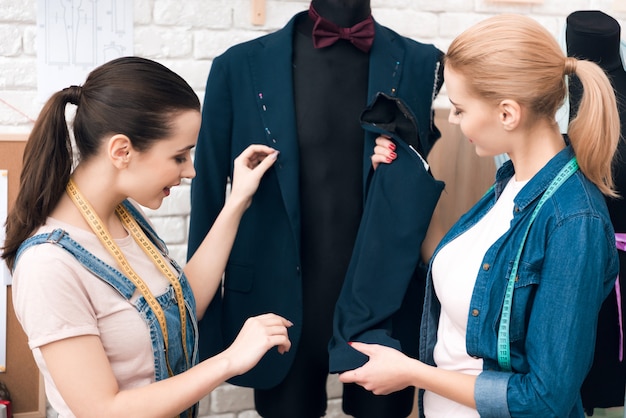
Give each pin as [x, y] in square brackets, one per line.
[595, 36]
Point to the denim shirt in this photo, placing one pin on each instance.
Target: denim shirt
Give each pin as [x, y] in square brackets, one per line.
[568, 267]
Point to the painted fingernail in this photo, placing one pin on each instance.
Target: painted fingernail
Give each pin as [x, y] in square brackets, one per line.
[392, 146]
[393, 155]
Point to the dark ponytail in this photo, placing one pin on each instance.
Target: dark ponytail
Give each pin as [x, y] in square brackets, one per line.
[46, 169]
[130, 95]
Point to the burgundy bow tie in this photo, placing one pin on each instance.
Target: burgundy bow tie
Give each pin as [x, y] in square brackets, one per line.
[326, 33]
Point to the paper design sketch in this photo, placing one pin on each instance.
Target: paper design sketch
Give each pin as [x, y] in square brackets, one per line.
[75, 36]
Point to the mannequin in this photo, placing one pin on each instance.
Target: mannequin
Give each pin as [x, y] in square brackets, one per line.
[293, 248]
[327, 106]
[595, 36]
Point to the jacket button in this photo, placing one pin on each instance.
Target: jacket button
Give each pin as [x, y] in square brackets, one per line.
[486, 266]
[475, 312]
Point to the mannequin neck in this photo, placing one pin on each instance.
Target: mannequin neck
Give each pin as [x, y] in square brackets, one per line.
[343, 13]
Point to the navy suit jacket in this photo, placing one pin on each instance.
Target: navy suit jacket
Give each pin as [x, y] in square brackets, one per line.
[250, 99]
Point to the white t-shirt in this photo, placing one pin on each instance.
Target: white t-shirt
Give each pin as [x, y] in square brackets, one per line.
[55, 298]
[454, 272]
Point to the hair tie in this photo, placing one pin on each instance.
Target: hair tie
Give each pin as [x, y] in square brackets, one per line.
[569, 67]
[73, 94]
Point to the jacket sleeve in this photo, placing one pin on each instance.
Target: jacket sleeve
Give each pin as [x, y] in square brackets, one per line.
[399, 204]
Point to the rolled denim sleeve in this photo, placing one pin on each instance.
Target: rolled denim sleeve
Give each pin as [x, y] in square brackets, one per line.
[490, 394]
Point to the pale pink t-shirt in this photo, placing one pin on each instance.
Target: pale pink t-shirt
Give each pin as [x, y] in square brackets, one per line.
[55, 298]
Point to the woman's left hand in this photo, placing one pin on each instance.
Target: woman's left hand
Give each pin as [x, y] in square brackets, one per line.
[249, 168]
[384, 151]
[387, 371]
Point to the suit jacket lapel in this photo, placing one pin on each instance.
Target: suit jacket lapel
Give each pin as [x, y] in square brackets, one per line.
[386, 60]
[272, 76]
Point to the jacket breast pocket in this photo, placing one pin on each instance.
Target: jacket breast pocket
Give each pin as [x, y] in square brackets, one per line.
[526, 284]
[238, 277]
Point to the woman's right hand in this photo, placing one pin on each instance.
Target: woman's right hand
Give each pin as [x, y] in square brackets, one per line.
[249, 168]
[258, 335]
[384, 151]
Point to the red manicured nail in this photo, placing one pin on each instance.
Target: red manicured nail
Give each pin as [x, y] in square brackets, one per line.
[392, 146]
[350, 343]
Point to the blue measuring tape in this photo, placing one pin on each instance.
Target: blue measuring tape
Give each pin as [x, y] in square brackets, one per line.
[504, 346]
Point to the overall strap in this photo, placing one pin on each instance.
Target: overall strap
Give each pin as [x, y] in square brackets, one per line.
[99, 268]
[145, 225]
[95, 265]
[150, 233]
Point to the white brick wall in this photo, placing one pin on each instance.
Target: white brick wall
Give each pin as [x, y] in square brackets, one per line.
[186, 36]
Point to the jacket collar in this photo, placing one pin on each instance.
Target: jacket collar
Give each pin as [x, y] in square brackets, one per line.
[538, 184]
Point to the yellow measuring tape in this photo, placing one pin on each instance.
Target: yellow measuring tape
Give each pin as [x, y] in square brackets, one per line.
[157, 258]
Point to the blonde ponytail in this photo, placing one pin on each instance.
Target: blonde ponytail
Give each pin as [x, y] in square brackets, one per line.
[594, 132]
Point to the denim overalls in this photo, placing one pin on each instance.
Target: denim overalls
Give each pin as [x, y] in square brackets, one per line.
[126, 288]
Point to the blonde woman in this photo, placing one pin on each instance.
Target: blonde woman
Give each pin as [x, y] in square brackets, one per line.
[514, 288]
